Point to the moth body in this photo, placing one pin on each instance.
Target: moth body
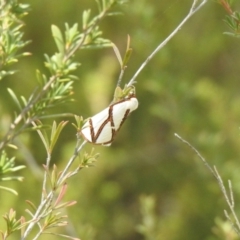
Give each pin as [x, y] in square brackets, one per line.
[102, 127]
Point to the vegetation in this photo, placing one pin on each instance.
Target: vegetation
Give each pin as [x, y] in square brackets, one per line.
[148, 184]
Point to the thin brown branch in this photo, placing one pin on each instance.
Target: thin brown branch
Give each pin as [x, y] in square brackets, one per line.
[229, 200]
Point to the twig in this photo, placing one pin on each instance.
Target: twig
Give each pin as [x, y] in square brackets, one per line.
[121, 76]
[192, 11]
[229, 200]
[70, 162]
[199, 155]
[49, 197]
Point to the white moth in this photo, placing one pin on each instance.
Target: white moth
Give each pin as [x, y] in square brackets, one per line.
[102, 127]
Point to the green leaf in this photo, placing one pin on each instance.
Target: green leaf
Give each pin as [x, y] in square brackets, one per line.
[117, 94]
[32, 205]
[128, 53]
[9, 190]
[15, 99]
[79, 121]
[56, 130]
[118, 55]
[85, 18]
[71, 33]
[43, 135]
[58, 38]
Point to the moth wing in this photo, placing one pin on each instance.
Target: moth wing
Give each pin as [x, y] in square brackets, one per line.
[99, 119]
[120, 110]
[98, 129]
[86, 131]
[133, 104]
[106, 135]
[89, 130]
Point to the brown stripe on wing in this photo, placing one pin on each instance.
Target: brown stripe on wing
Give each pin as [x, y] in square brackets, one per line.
[125, 115]
[110, 119]
[112, 122]
[103, 124]
[91, 129]
[124, 118]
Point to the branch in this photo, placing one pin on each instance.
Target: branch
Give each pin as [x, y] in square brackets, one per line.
[40, 211]
[229, 199]
[193, 10]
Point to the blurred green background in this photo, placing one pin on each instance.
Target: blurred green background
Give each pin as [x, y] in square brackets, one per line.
[191, 87]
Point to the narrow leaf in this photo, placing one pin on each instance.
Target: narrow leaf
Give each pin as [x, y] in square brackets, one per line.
[128, 52]
[55, 134]
[58, 38]
[14, 97]
[31, 204]
[118, 55]
[42, 134]
[9, 190]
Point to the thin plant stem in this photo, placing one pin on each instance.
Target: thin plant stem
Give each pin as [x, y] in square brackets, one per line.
[192, 11]
[49, 197]
[86, 32]
[45, 176]
[121, 76]
[199, 155]
[229, 200]
[70, 162]
[37, 215]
